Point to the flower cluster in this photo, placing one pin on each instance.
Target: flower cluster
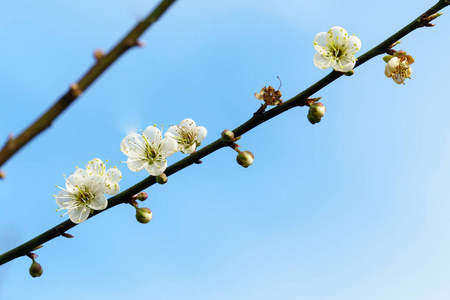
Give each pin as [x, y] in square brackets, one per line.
[336, 49]
[149, 149]
[85, 190]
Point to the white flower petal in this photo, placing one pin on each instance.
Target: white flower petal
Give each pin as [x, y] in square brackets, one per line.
[320, 42]
[153, 135]
[172, 132]
[190, 149]
[112, 189]
[321, 62]
[189, 124]
[76, 179]
[79, 214]
[99, 202]
[132, 144]
[113, 175]
[168, 147]
[136, 164]
[345, 66]
[95, 184]
[95, 166]
[63, 199]
[201, 133]
[337, 35]
[354, 44]
[157, 168]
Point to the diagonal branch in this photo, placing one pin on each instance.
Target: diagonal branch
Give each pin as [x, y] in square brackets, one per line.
[298, 100]
[13, 145]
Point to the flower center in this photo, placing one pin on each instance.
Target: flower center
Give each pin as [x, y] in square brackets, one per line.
[150, 152]
[335, 51]
[84, 195]
[187, 137]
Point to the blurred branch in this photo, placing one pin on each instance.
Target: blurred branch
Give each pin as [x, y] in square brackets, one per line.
[13, 145]
[301, 99]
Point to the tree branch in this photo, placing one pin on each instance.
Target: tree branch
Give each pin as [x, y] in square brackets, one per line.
[299, 100]
[13, 145]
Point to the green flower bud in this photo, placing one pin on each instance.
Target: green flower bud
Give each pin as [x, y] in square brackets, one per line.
[36, 269]
[317, 110]
[313, 120]
[227, 135]
[144, 215]
[245, 158]
[161, 179]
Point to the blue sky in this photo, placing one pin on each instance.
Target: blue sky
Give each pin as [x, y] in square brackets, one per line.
[355, 207]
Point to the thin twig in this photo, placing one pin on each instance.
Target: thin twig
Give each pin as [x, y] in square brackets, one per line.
[130, 40]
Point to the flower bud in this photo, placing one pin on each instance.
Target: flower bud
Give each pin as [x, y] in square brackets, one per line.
[36, 269]
[227, 135]
[2, 174]
[317, 110]
[161, 179]
[313, 120]
[245, 158]
[142, 196]
[144, 215]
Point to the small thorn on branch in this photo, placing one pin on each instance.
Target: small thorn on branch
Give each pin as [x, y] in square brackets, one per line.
[198, 162]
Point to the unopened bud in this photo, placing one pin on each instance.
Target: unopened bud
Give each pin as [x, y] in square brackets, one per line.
[245, 158]
[316, 112]
[36, 269]
[313, 120]
[227, 135]
[144, 215]
[317, 109]
[142, 196]
[161, 179]
[2, 174]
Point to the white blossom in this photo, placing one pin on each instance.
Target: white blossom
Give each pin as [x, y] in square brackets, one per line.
[111, 177]
[148, 150]
[188, 135]
[82, 194]
[398, 68]
[336, 49]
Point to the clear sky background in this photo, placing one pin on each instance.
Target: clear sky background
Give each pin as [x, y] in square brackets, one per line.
[355, 207]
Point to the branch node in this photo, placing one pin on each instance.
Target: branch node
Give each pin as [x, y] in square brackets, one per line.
[62, 232]
[99, 54]
[75, 90]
